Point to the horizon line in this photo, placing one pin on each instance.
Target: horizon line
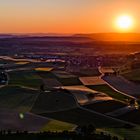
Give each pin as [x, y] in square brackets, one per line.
[37, 33]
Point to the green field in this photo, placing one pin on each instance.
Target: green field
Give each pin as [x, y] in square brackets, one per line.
[53, 101]
[25, 78]
[129, 134]
[109, 91]
[134, 75]
[54, 125]
[69, 81]
[88, 72]
[64, 81]
[46, 74]
[17, 98]
[63, 74]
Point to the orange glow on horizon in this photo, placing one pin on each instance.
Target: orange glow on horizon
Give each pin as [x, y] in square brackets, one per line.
[68, 16]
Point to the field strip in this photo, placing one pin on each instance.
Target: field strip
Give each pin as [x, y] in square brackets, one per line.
[121, 111]
[102, 75]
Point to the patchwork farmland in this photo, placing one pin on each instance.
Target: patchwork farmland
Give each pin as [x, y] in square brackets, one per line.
[67, 100]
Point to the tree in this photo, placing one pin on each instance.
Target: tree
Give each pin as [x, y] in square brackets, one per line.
[42, 87]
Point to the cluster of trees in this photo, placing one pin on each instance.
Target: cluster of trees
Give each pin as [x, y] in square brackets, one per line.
[81, 133]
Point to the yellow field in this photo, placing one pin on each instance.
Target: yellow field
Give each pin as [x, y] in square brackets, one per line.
[58, 126]
[95, 80]
[22, 63]
[44, 69]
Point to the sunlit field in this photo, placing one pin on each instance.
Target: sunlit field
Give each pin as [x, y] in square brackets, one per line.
[21, 63]
[44, 69]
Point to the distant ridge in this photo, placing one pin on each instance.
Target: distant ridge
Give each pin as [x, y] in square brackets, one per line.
[126, 37]
[129, 37]
[6, 36]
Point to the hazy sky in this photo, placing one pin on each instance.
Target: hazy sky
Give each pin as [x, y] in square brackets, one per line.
[65, 16]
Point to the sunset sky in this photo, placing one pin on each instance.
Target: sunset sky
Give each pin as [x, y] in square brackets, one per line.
[66, 16]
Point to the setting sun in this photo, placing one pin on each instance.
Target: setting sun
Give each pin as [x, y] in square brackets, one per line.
[124, 22]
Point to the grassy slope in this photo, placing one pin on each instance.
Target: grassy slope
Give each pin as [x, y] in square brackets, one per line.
[64, 81]
[25, 78]
[55, 125]
[14, 97]
[129, 134]
[53, 101]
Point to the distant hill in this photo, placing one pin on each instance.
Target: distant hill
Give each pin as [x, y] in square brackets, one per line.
[129, 37]
[6, 36]
[45, 37]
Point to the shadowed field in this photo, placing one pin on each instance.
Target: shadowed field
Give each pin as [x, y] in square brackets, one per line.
[53, 101]
[106, 106]
[123, 85]
[133, 76]
[25, 78]
[17, 98]
[81, 116]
